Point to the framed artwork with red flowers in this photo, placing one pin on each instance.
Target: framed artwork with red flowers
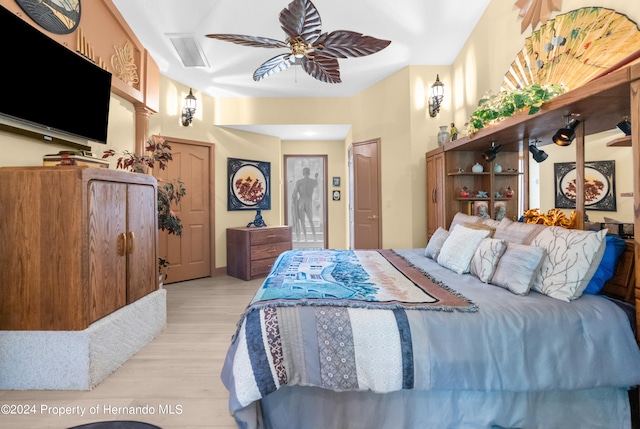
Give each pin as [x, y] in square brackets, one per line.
[248, 185]
[599, 185]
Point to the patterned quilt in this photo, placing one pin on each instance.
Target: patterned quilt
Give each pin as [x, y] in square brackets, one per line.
[341, 320]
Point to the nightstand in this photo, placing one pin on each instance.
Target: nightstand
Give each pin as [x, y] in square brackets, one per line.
[251, 252]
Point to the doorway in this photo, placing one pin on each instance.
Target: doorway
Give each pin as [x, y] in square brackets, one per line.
[190, 256]
[365, 224]
[305, 200]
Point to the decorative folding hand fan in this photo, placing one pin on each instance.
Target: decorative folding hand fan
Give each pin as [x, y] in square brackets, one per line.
[316, 52]
[573, 48]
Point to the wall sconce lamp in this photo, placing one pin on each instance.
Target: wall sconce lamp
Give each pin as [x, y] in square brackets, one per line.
[564, 136]
[189, 109]
[538, 155]
[625, 126]
[435, 97]
[490, 154]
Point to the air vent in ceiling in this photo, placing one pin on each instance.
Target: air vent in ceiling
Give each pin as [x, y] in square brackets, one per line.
[188, 49]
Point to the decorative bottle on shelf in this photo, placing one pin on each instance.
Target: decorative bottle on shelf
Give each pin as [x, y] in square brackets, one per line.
[508, 192]
[443, 135]
[477, 168]
[497, 168]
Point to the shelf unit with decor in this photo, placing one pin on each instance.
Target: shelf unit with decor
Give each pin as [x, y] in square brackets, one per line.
[457, 175]
[601, 103]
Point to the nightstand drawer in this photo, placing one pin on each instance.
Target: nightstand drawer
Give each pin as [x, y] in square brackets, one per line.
[270, 236]
[264, 251]
[261, 267]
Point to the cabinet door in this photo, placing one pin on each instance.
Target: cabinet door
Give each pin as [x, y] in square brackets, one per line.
[107, 261]
[141, 242]
[435, 193]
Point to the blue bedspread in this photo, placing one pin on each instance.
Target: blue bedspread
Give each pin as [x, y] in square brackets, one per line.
[512, 343]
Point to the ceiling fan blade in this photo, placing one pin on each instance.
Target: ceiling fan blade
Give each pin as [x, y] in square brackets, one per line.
[258, 42]
[301, 19]
[325, 69]
[274, 65]
[348, 44]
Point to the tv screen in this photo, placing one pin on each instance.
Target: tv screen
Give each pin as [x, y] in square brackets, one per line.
[49, 86]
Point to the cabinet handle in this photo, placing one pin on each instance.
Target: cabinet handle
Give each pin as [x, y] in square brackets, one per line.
[131, 241]
[122, 244]
[433, 195]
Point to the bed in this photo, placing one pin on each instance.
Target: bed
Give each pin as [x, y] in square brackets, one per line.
[403, 339]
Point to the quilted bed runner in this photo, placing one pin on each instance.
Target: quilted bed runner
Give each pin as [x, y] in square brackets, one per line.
[361, 278]
[342, 320]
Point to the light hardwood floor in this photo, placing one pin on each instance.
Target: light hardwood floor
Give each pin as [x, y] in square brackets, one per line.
[178, 372]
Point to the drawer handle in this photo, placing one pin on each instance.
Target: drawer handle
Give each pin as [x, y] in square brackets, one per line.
[271, 236]
[271, 250]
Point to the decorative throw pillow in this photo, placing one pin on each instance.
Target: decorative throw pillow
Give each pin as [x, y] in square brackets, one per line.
[614, 248]
[517, 232]
[461, 218]
[435, 243]
[518, 267]
[486, 257]
[459, 247]
[481, 226]
[572, 258]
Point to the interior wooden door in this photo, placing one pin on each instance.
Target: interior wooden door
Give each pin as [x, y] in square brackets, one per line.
[142, 264]
[107, 257]
[366, 210]
[435, 192]
[190, 256]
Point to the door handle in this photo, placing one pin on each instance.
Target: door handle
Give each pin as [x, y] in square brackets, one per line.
[372, 217]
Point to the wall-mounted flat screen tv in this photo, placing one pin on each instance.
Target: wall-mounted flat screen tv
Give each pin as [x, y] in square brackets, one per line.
[50, 87]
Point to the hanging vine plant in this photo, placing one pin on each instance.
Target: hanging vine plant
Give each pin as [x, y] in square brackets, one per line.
[492, 108]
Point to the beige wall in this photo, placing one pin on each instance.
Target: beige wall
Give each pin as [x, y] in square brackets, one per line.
[393, 110]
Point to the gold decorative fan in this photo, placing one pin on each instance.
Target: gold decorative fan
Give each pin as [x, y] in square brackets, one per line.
[573, 48]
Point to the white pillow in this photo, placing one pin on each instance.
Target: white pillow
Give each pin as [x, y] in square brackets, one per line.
[486, 257]
[572, 258]
[435, 243]
[459, 247]
[518, 267]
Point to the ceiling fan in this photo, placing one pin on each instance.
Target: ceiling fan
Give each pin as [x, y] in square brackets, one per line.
[315, 51]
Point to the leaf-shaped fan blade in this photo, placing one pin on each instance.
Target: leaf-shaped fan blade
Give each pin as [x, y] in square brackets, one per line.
[301, 18]
[346, 44]
[258, 42]
[274, 65]
[325, 69]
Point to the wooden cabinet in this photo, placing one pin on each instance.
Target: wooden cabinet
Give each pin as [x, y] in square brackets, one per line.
[252, 251]
[77, 243]
[436, 212]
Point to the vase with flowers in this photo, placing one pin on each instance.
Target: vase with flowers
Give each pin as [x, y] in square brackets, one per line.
[158, 153]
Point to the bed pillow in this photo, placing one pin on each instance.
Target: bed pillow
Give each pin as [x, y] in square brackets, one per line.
[481, 226]
[486, 257]
[614, 248]
[461, 218]
[518, 267]
[517, 232]
[435, 243]
[459, 247]
[572, 258]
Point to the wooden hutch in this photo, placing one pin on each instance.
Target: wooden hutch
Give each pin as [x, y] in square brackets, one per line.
[601, 104]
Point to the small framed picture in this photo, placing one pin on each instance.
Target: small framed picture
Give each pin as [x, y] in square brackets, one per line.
[336, 181]
[336, 195]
